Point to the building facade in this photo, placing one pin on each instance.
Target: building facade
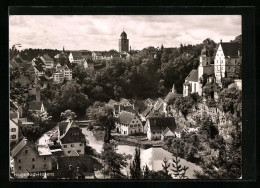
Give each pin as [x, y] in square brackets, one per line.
[14, 132]
[193, 82]
[227, 57]
[71, 139]
[27, 159]
[128, 123]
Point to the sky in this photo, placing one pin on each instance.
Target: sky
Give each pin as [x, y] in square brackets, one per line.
[94, 32]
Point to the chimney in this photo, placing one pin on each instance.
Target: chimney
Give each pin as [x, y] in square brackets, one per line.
[220, 40]
[77, 169]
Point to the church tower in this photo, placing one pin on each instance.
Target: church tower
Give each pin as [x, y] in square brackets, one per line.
[123, 42]
[204, 61]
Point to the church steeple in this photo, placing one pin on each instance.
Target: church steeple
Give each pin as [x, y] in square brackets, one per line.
[123, 42]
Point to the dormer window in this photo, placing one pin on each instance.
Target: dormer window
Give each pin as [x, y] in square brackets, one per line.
[26, 152]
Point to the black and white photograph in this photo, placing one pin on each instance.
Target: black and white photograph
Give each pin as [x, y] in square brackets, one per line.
[134, 97]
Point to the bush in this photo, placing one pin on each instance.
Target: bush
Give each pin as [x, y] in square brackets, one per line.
[90, 127]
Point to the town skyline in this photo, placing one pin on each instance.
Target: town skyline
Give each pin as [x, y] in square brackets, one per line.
[101, 33]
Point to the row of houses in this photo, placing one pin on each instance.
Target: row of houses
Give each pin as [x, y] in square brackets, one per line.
[41, 157]
[154, 121]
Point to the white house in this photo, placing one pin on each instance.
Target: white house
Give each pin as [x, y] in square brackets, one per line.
[67, 73]
[14, 132]
[58, 77]
[76, 57]
[159, 127]
[227, 57]
[128, 123]
[71, 138]
[48, 61]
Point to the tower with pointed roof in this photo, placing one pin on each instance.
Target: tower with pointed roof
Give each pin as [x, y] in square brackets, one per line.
[123, 42]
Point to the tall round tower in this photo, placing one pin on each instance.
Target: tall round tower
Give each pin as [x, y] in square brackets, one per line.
[123, 42]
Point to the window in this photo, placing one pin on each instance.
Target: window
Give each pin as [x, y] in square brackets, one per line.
[65, 146]
[69, 151]
[26, 151]
[72, 145]
[33, 166]
[19, 160]
[45, 166]
[78, 151]
[153, 132]
[13, 129]
[33, 159]
[19, 168]
[80, 144]
[13, 136]
[44, 158]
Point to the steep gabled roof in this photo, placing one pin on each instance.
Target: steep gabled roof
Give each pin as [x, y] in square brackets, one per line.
[98, 53]
[63, 126]
[18, 60]
[111, 102]
[158, 104]
[47, 57]
[231, 49]
[13, 115]
[124, 101]
[149, 101]
[35, 105]
[126, 117]
[73, 135]
[24, 142]
[193, 76]
[165, 131]
[168, 97]
[159, 124]
[77, 55]
[147, 110]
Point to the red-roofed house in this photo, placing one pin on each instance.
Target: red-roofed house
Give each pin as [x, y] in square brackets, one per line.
[28, 159]
[71, 138]
[128, 123]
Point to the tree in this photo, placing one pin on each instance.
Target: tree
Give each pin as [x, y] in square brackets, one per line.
[31, 132]
[135, 168]
[114, 161]
[68, 114]
[146, 172]
[72, 98]
[165, 171]
[179, 171]
[106, 119]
